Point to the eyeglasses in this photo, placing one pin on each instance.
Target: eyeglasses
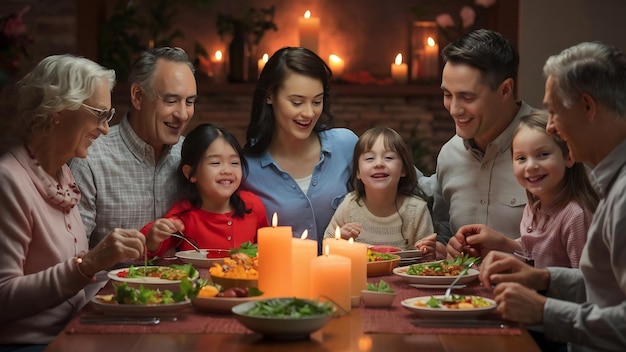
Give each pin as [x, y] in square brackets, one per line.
[102, 115]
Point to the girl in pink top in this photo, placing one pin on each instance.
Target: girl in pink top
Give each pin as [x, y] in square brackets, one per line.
[212, 212]
[561, 202]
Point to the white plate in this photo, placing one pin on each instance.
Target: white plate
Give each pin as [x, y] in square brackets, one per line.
[442, 287]
[280, 328]
[471, 275]
[139, 310]
[447, 313]
[204, 259]
[152, 283]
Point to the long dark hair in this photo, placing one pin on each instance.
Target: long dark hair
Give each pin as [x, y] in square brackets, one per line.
[299, 60]
[195, 145]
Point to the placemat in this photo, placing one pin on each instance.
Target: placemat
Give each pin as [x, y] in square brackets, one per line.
[397, 319]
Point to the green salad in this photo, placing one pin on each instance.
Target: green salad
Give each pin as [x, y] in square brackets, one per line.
[290, 308]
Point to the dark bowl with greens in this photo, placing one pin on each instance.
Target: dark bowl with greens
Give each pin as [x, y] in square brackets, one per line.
[284, 318]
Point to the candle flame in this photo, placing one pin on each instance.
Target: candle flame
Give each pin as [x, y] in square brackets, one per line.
[305, 234]
[327, 250]
[337, 233]
[334, 58]
[431, 42]
[307, 14]
[274, 220]
[398, 59]
[218, 55]
[351, 240]
[265, 57]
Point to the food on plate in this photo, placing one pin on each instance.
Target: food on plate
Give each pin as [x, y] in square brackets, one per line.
[208, 291]
[385, 249]
[381, 286]
[238, 266]
[373, 256]
[450, 267]
[172, 272]
[248, 248]
[290, 308]
[454, 302]
[125, 294]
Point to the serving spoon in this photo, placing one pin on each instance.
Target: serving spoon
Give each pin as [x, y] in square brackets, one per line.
[449, 289]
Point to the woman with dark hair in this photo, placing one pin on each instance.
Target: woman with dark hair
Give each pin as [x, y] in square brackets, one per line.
[299, 164]
[212, 210]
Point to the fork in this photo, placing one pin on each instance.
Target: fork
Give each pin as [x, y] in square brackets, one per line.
[449, 289]
[181, 235]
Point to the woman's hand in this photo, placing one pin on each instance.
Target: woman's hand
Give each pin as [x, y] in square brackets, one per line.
[161, 230]
[351, 230]
[118, 245]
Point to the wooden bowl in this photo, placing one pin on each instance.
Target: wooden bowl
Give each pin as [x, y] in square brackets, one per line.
[383, 267]
[227, 282]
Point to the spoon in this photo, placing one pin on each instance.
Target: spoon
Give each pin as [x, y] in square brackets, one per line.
[449, 290]
[182, 236]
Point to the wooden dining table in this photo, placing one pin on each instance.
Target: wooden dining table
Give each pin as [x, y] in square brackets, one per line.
[363, 329]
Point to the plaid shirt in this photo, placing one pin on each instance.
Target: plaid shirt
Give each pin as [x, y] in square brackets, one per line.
[121, 184]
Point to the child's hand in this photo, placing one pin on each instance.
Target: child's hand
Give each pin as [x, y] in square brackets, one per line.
[427, 246]
[350, 230]
[161, 230]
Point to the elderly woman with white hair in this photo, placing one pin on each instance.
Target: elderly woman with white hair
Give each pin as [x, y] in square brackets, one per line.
[46, 271]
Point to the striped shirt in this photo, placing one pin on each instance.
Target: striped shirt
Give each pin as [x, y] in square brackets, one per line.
[121, 184]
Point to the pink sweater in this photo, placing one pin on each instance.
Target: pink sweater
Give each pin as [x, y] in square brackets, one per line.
[40, 286]
[559, 236]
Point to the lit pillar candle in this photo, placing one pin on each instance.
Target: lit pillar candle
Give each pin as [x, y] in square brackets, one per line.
[309, 31]
[430, 62]
[336, 65]
[303, 251]
[330, 279]
[261, 63]
[399, 70]
[357, 253]
[217, 65]
[274, 245]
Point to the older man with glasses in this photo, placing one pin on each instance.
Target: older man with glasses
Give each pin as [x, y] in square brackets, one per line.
[127, 179]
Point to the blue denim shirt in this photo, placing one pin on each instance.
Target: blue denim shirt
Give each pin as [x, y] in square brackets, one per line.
[282, 195]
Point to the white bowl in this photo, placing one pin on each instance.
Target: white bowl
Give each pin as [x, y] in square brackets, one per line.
[377, 299]
[280, 327]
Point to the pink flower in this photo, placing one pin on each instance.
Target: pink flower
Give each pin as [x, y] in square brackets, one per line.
[14, 26]
[485, 3]
[467, 16]
[444, 20]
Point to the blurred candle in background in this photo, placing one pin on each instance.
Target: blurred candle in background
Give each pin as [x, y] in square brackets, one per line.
[274, 245]
[303, 251]
[217, 67]
[261, 63]
[330, 279]
[429, 66]
[399, 70]
[309, 31]
[336, 65]
[357, 253]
